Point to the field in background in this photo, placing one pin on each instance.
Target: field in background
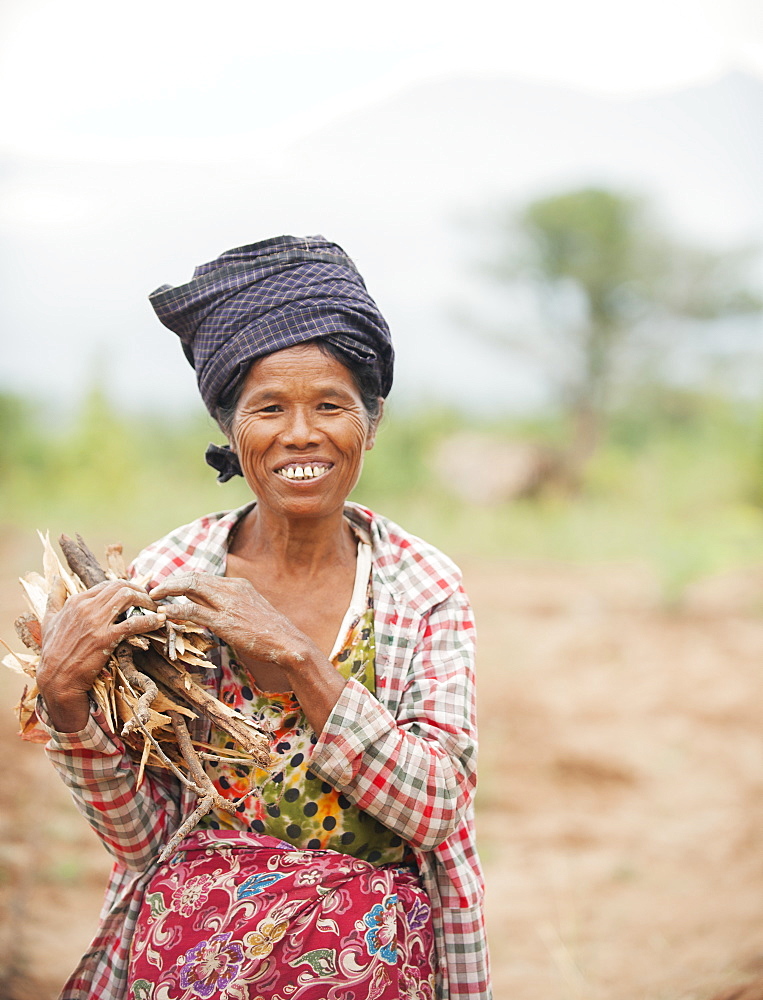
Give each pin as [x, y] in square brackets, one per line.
[677, 483]
[621, 639]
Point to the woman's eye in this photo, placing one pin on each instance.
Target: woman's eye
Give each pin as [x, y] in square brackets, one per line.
[327, 406]
[273, 408]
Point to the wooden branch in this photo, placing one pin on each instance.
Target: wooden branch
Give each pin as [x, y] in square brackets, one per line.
[182, 832]
[195, 767]
[211, 797]
[82, 561]
[142, 710]
[240, 729]
[168, 763]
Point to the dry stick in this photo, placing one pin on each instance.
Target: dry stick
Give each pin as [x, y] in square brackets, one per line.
[170, 764]
[142, 710]
[222, 759]
[82, 562]
[211, 798]
[233, 723]
[198, 773]
[199, 812]
[171, 639]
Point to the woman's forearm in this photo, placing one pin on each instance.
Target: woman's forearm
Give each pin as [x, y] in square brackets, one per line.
[316, 683]
[67, 713]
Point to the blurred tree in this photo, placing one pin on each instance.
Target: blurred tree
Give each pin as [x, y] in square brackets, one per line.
[21, 439]
[597, 274]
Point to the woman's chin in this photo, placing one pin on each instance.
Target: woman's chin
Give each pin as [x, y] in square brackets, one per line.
[306, 505]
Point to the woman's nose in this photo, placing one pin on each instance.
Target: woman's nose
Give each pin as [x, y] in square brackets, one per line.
[300, 430]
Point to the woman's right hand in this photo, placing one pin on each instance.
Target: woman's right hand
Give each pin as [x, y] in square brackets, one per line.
[78, 636]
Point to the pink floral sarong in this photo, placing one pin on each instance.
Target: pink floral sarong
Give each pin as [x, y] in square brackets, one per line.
[244, 916]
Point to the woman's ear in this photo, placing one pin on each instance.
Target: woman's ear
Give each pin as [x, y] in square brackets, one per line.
[371, 436]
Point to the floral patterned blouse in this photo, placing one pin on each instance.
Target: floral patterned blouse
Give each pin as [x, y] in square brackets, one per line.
[291, 802]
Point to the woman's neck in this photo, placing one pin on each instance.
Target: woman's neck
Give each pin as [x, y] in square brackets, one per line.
[304, 545]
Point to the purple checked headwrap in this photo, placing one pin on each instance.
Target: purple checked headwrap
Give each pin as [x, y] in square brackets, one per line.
[260, 298]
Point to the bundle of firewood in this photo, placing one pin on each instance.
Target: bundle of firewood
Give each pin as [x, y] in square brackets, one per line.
[145, 691]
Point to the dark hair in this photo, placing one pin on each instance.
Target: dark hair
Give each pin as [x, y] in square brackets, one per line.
[364, 376]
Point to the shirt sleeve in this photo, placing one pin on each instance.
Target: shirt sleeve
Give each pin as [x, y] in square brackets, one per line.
[132, 821]
[415, 771]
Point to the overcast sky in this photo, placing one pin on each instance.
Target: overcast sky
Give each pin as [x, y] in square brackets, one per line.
[84, 74]
[138, 140]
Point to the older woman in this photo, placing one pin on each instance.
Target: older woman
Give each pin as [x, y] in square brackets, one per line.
[349, 869]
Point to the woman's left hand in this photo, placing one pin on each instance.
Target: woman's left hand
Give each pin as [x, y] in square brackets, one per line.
[237, 613]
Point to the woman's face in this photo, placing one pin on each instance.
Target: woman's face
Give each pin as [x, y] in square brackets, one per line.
[300, 432]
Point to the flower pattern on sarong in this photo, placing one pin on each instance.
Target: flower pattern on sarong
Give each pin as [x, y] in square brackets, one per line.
[211, 965]
[382, 931]
[189, 896]
[360, 929]
[256, 884]
[260, 942]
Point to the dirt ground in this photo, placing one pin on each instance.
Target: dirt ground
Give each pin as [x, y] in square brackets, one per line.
[620, 804]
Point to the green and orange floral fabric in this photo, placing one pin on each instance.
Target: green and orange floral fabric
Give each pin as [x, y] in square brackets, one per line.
[291, 802]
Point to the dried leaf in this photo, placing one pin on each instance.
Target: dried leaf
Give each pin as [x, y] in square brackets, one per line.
[19, 663]
[36, 590]
[192, 628]
[193, 650]
[52, 566]
[126, 703]
[140, 641]
[142, 766]
[164, 704]
[192, 660]
[26, 712]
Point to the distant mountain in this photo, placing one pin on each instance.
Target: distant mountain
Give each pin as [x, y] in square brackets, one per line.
[424, 161]
[463, 139]
[81, 244]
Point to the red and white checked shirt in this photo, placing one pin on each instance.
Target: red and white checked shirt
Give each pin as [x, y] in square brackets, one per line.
[406, 755]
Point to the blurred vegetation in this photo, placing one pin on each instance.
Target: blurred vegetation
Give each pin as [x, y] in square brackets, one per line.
[606, 291]
[677, 483]
[669, 477]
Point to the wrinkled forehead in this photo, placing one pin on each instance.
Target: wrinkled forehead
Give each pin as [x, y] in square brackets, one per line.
[302, 365]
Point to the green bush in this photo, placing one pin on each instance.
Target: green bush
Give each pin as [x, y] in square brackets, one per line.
[677, 483]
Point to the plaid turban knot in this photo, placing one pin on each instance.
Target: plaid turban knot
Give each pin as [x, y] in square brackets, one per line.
[261, 298]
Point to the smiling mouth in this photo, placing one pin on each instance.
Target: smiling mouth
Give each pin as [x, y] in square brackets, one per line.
[302, 471]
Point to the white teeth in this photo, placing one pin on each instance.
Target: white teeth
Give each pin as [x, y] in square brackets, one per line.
[302, 471]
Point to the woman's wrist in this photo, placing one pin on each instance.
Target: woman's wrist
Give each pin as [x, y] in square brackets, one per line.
[300, 656]
[316, 683]
[68, 713]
